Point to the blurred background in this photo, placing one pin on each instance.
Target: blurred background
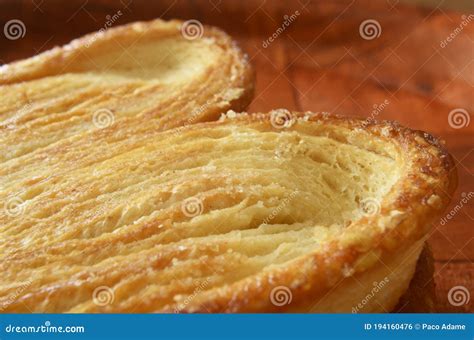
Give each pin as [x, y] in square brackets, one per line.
[461, 5]
[410, 61]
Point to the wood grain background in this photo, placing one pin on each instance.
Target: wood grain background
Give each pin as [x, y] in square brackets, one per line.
[322, 63]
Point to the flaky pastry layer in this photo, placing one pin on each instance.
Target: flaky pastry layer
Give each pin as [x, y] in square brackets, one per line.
[142, 76]
[253, 213]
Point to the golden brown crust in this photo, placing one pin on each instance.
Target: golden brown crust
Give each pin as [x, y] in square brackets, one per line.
[425, 190]
[150, 238]
[65, 58]
[143, 72]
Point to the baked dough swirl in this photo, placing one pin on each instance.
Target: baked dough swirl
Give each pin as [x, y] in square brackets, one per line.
[251, 213]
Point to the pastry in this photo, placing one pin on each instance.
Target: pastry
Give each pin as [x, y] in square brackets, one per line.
[420, 296]
[278, 212]
[155, 75]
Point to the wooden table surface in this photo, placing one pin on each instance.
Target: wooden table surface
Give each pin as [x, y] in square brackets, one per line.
[403, 69]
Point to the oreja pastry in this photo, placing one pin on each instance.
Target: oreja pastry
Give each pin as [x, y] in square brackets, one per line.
[420, 297]
[252, 213]
[154, 75]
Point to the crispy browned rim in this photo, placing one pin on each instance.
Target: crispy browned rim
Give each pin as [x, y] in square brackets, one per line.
[364, 242]
[51, 62]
